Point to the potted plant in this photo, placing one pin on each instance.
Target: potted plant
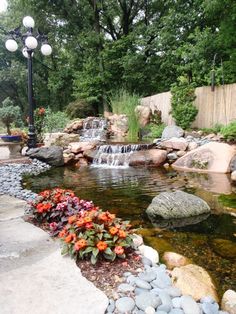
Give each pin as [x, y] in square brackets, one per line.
[9, 114]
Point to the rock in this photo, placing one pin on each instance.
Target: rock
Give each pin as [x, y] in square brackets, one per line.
[233, 175]
[172, 131]
[152, 157]
[233, 164]
[90, 154]
[175, 143]
[147, 276]
[173, 260]
[144, 114]
[68, 158]
[176, 302]
[180, 153]
[224, 248]
[60, 139]
[149, 253]
[118, 125]
[210, 308]
[74, 126]
[79, 147]
[131, 279]
[81, 162]
[207, 299]
[228, 302]
[192, 145]
[176, 311]
[194, 280]
[51, 155]
[162, 280]
[146, 261]
[189, 305]
[137, 240]
[146, 299]
[142, 284]
[176, 205]
[124, 287]
[173, 292]
[172, 156]
[125, 304]
[211, 157]
[166, 302]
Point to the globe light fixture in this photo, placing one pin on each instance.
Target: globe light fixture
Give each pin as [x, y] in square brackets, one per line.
[11, 45]
[28, 22]
[46, 49]
[30, 43]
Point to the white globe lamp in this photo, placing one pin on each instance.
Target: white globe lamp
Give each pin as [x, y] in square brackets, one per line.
[11, 45]
[31, 42]
[46, 49]
[28, 22]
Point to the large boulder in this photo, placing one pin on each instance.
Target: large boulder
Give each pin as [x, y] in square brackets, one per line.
[154, 157]
[119, 125]
[228, 302]
[175, 143]
[233, 164]
[79, 147]
[144, 114]
[172, 260]
[60, 139]
[211, 157]
[176, 205]
[195, 281]
[74, 126]
[51, 155]
[172, 131]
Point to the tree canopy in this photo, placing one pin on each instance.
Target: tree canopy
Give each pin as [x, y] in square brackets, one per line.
[101, 46]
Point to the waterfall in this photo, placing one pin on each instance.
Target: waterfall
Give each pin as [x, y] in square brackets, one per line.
[93, 129]
[116, 155]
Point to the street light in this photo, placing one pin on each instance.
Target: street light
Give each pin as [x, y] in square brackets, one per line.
[30, 42]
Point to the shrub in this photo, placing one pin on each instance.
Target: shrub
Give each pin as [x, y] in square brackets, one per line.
[229, 131]
[56, 206]
[96, 234]
[183, 110]
[55, 121]
[80, 109]
[39, 118]
[215, 129]
[155, 130]
[9, 113]
[124, 103]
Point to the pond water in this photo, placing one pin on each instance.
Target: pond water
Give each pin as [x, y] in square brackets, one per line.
[208, 240]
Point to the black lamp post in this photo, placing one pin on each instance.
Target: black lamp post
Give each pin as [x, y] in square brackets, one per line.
[30, 43]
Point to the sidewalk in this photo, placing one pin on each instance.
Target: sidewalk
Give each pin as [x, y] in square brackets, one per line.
[34, 277]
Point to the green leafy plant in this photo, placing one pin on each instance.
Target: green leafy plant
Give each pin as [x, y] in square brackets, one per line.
[54, 121]
[80, 108]
[96, 234]
[124, 103]
[183, 110]
[229, 131]
[39, 119]
[154, 130]
[215, 129]
[9, 113]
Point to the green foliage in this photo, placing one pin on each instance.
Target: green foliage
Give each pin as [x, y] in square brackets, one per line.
[183, 110]
[9, 113]
[80, 109]
[229, 131]
[124, 103]
[155, 130]
[216, 129]
[55, 121]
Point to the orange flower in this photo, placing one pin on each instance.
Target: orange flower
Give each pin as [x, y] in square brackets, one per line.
[87, 219]
[111, 216]
[72, 219]
[119, 250]
[89, 225]
[103, 217]
[101, 245]
[70, 238]
[122, 234]
[113, 230]
[80, 244]
[41, 111]
[62, 233]
[80, 222]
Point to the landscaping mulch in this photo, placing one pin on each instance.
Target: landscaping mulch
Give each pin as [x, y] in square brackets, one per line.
[107, 276]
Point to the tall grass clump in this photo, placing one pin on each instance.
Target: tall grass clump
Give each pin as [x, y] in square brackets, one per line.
[124, 103]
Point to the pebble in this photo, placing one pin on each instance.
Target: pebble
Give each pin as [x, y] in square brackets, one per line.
[173, 292]
[162, 280]
[161, 312]
[137, 291]
[176, 302]
[210, 308]
[146, 299]
[125, 304]
[166, 302]
[146, 261]
[150, 310]
[207, 299]
[147, 276]
[125, 287]
[189, 305]
[176, 311]
[142, 284]
[131, 279]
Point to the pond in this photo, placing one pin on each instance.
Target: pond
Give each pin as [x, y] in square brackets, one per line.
[208, 240]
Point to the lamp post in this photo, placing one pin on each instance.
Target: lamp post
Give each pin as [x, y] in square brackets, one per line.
[30, 43]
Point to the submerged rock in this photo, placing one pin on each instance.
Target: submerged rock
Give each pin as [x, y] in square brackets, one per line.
[176, 205]
[224, 248]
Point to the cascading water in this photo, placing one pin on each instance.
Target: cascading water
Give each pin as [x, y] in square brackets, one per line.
[116, 155]
[94, 129]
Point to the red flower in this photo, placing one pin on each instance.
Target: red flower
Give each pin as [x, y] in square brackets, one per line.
[89, 225]
[119, 250]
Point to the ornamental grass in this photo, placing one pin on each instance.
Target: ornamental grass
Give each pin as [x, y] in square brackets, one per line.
[85, 230]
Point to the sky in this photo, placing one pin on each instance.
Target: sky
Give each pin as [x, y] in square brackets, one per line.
[3, 5]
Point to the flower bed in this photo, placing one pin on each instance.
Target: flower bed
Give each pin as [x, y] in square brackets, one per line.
[86, 231]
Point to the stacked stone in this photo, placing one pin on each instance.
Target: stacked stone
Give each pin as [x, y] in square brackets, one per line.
[11, 177]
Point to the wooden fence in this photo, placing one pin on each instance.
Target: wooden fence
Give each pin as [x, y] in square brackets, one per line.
[213, 107]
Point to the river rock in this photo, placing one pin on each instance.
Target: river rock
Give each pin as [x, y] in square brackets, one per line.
[60, 139]
[228, 302]
[172, 131]
[52, 155]
[90, 154]
[176, 205]
[148, 276]
[74, 126]
[176, 311]
[149, 253]
[79, 147]
[162, 280]
[144, 114]
[125, 304]
[146, 299]
[210, 308]
[173, 260]
[211, 157]
[224, 248]
[124, 287]
[175, 143]
[194, 280]
[150, 310]
[233, 164]
[189, 305]
[151, 157]
[142, 284]
[233, 175]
